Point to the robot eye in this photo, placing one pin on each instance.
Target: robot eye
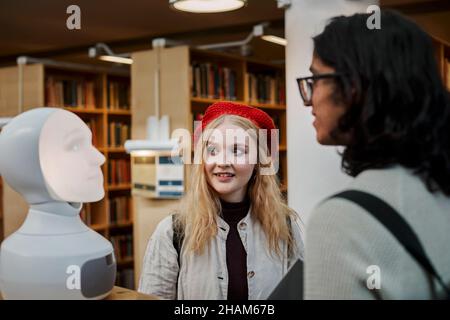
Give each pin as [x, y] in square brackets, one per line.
[75, 144]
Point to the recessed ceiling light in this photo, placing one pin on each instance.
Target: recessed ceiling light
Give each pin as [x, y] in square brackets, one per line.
[207, 6]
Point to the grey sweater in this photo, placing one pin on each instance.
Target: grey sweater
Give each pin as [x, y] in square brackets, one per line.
[343, 241]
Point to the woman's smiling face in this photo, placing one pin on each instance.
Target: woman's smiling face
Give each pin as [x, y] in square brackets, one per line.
[230, 162]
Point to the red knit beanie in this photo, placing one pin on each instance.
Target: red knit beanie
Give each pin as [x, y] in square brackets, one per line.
[261, 119]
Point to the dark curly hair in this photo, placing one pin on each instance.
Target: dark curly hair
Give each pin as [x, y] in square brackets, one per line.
[399, 110]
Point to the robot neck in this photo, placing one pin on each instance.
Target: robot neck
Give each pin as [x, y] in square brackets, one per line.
[59, 208]
[53, 218]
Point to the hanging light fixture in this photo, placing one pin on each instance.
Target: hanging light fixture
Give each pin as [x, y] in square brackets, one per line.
[100, 48]
[257, 32]
[207, 6]
[275, 39]
[116, 59]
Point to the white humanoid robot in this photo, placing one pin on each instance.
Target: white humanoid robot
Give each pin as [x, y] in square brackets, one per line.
[47, 156]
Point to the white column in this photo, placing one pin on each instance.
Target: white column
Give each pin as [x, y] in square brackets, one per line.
[314, 171]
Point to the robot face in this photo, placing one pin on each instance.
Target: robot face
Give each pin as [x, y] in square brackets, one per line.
[70, 163]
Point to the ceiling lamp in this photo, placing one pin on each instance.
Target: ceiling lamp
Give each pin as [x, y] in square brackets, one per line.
[116, 59]
[258, 32]
[207, 6]
[275, 39]
[100, 48]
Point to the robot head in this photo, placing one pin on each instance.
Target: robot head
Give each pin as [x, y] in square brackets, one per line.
[46, 154]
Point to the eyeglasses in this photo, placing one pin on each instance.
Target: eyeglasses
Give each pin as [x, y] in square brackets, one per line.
[306, 85]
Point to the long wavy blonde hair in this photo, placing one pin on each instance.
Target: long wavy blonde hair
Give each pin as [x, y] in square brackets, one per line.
[201, 205]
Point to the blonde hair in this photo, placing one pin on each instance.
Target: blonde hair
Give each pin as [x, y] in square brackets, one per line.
[201, 205]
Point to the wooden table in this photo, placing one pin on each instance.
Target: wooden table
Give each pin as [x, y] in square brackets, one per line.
[119, 293]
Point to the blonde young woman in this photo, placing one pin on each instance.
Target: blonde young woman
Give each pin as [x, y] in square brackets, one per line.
[238, 236]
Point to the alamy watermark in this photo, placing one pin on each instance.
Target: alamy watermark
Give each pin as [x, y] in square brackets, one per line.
[73, 22]
[374, 280]
[374, 21]
[73, 281]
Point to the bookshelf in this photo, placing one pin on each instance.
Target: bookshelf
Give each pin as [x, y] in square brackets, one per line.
[217, 76]
[189, 81]
[1, 208]
[102, 100]
[442, 51]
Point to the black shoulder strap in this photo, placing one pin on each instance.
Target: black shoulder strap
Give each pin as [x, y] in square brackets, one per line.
[178, 236]
[289, 248]
[398, 227]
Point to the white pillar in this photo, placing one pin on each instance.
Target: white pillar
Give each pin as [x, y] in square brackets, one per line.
[314, 171]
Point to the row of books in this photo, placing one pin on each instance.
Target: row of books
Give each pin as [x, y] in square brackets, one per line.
[280, 174]
[118, 95]
[208, 80]
[1, 206]
[119, 209]
[123, 246]
[118, 133]
[276, 120]
[447, 72]
[86, 213]
[125, 278]
[119, 171]
[265, 89]
[70, 93]
[92, 124]
[198, 116]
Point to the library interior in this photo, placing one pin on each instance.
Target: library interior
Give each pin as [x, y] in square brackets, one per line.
[135, 72]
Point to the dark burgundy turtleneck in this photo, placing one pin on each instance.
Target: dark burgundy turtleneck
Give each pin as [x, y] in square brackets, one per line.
[232, 213]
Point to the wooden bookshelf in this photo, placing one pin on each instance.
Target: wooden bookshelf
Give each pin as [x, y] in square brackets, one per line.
[256, 83]
[81, 111]
[98, 98]
[1, 208]
[119, 112]
[121, 224]
[115, 149]
[442, 53]
[116, 187]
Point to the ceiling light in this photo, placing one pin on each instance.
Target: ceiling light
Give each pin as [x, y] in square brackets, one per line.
[257, 32]
[275, 39]
[103, 52]
[207, 6]
[116, 59]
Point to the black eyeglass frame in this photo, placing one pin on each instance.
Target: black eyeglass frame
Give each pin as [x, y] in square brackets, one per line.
[310, 84]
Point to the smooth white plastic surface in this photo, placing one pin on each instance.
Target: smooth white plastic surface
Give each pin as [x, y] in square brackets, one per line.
[46, 155]
[70, 164]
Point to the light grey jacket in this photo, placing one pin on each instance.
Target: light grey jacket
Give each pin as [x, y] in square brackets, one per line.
[205, 276]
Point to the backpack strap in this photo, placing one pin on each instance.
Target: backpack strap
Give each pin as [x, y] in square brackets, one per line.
[178, 236]
[397, 225]
[289, 247]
